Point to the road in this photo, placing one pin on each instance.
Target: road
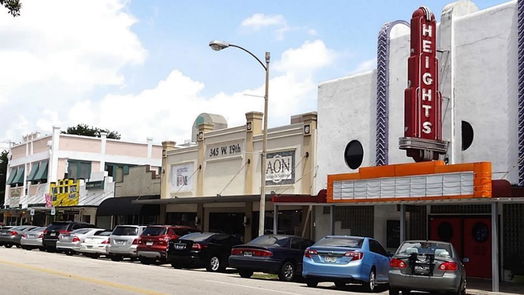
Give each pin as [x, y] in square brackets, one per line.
[36, 272]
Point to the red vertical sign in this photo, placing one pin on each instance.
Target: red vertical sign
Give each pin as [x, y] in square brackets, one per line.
[422, 115]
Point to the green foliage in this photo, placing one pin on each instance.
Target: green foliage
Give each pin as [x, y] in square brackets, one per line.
[3, 172]
[13, 6]
[86, 130]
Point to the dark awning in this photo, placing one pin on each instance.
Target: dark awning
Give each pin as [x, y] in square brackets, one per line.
[124, 206]
[204, 200]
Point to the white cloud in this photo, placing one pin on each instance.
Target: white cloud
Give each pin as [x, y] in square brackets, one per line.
[260, 20]
[55, 53]
[167, 111]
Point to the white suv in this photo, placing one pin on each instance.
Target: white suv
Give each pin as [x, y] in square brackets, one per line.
[123, 241]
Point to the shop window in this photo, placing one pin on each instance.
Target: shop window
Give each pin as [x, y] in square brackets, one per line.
[467, 135]
[78, 169]
[354, 154]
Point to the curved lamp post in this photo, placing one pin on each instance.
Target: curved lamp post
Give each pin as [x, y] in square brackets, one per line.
[217, 46]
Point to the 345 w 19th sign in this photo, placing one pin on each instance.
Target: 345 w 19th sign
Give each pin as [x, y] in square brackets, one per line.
[422, 100]
[280, 168]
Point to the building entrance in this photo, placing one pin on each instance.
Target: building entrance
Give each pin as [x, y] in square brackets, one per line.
[471, 237]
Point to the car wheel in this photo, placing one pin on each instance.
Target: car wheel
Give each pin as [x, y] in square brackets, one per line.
[116, 258]
[406, 292]
[245, 273]
[145, 260]
[340, 285]
[177, 265]
[214, 264]
[18, 246]
[287, 272]
[393, 291]
[8, 245]
[371, 285]
[69, 252]
[311, 283]
[94, 256]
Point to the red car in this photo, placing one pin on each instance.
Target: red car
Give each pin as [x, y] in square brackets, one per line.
[154, 241]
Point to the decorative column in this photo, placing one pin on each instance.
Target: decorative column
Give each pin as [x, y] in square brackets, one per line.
[167, 146]
[253, 128]
[309, 151]
[201, 137]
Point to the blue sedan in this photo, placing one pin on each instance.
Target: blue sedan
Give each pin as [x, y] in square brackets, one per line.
[346, 259]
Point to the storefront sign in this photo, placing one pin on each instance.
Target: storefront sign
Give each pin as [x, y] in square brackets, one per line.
[181, 177]
[95, 185]
[65, 192]
[225, 149]
[280, 168]
[422, 114]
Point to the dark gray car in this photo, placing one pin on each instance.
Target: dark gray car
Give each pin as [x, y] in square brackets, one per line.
[426, 266]
[11, 236]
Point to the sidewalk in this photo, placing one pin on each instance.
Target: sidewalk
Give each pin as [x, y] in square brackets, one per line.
[483, 287]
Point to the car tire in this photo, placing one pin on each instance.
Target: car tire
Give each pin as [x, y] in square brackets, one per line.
[311, 283]
[8, 245]
[287, 272]
[177, 265]
[245, 273]
[406, 292]
[144, 260]
[69, 252]
[116, 258]
[94, 256]
[214, 264]
[18, 246]
[393, 291]
[340, 285]
[371, 284]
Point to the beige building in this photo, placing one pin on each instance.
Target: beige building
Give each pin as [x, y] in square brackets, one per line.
[214, 184]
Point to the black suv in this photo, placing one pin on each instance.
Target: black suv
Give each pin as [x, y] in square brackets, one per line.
[60, 227]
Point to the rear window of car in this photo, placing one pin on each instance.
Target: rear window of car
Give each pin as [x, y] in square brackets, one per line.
[437, 249]
[197, 237]
[154, 231]
[103, 233]
[340, 242]
[57, 226]
[270, 240]
[125, 231]
[81, 231]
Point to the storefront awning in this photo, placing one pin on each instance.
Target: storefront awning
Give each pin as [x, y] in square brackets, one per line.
[124, 206]
[204, 200]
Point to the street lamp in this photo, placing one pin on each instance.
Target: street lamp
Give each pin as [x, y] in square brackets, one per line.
[217, 46]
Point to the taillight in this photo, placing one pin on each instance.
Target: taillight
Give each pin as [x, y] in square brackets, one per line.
[354, 254]
[75, 239]
[310, 253]
[197, 246]
[236, 251]
[24, 236]
[262, 253]
[13, 233]
[105, 242]
[45, 232]
[397, 263]
[41, 235]
[63, 231]
[136, 241]
[448, 266]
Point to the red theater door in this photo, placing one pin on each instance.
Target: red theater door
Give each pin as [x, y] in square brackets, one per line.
[471, 237]
[477, 246]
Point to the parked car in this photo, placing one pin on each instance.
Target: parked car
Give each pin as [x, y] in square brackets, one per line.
[10, 237]
[209, 250]
[123, 241]
[96, 244]
[33, 238]
[276, 254]
[60, 227]
[346, 259]
[69, 243]
[416, 263]
[154, 241]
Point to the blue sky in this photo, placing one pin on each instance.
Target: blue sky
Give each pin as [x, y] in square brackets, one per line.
[144, 68]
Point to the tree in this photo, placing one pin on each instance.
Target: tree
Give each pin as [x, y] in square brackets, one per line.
[86, 130]
[3, 172]
[13, 6]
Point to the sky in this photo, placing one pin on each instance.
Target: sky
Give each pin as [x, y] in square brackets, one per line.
[143, 68]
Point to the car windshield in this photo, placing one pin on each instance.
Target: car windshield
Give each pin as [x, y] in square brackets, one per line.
[125, 231]
[437, 249]
[57, 226]
[197, 237]
[154, 231]
[340, 242]
[270, 240]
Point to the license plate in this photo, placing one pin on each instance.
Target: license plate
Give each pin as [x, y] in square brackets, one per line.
[53, 234]
[248, 254]
[421, 269]
[180, 246]
[330, 259]
[120, 242]
[89, 246]
[149, 243]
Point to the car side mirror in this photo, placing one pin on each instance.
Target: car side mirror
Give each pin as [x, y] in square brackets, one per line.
[465, 260]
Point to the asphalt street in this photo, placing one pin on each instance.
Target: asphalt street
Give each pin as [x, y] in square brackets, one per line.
[36, 272]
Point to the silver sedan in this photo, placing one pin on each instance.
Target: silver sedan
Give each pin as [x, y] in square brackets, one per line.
[32, 239]
[426, 266]
[69, 243]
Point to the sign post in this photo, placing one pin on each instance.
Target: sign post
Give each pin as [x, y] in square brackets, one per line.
[422, 100]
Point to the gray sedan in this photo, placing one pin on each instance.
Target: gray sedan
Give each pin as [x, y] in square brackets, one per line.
[10, 237]
[426, 266]
[69, 243]
[32, 239]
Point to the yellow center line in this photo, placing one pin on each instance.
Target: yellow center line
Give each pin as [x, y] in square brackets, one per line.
[81, 278]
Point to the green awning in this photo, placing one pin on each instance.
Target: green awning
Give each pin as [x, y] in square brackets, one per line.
[32, 174]
[19, 179]
[42, 171]
[12, 175]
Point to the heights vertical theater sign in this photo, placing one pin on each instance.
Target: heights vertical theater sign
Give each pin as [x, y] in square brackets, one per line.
[422, 115]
